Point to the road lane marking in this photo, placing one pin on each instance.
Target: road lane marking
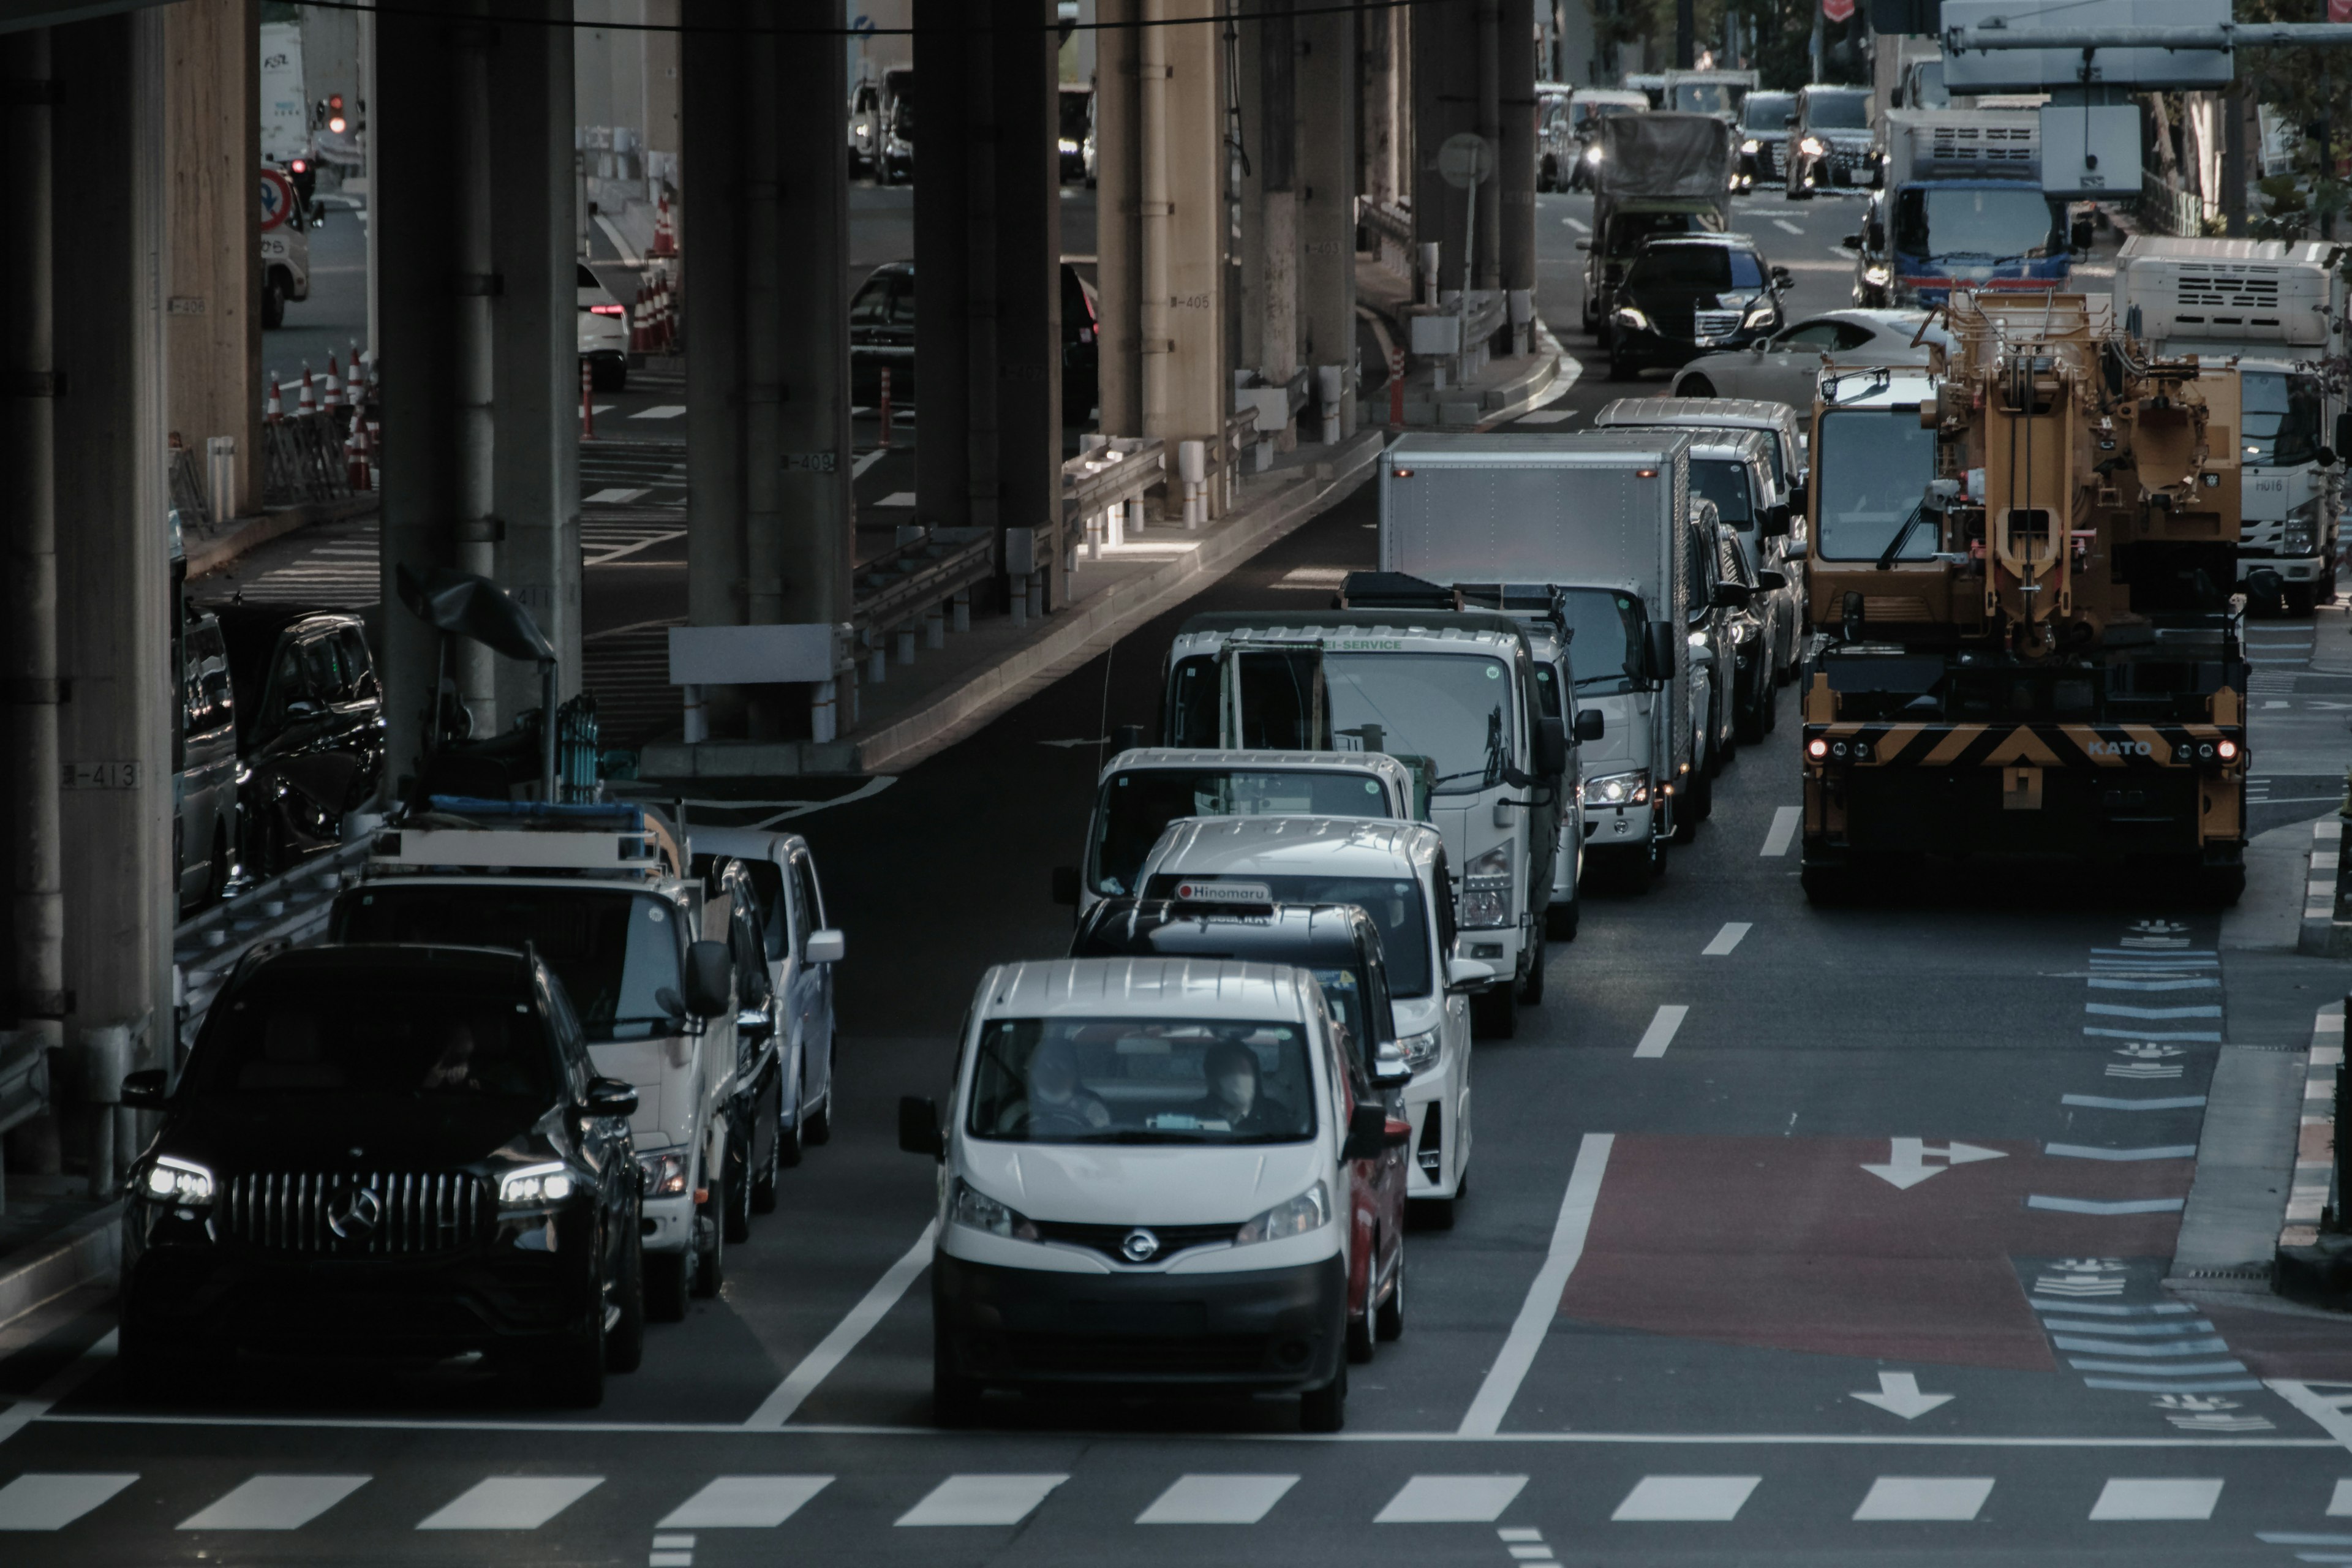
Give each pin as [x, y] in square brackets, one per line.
[2134, 1309]
[1661, 1032]
[1578, 223]
[660, 411]
[1785, 226]
[2117, 1010]
[34, 1406]
[619, 552]
[897, 499]
[2178, 1369]
[1486, 1411]
[1710, 1498]
[2210, 1036]
[1547, 417]
[1217, 1499]
[2145, 1331]
[2330, 1412]
[2101, 983]
[834, 1348]
[744, 1502]
[53, 1499]
[982, 1499]
[2169, 1497]
[1451, 1500]
[2096, 1206]
[2339, 1504]
[511, 1502]
[1725, 940]
[864, 460]
[1938, 1498]
[274, 1502]
[2088, 1151]
[1783, 831]
[616, 497]
[2103, 1102]
[2168, 1347]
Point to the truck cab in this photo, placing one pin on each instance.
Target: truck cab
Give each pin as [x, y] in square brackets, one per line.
[604, 895]
[1962, 208]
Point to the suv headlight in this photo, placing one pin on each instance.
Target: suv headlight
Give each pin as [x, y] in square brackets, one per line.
[975, 1210]
[1309, 1211]
[1632, 320]
[2302, 535]
[1486, 887]
[665, 1174]
[1750, 144]
[1420, 1051]
[536, 1186]
[1618, 789]
[175, 1181]
[1760, 316]
[1876, 276]
[1813, 145]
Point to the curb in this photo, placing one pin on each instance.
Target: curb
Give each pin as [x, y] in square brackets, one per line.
[2326, 930]
[2306, 1266]
[250, 533]
[89, 1248]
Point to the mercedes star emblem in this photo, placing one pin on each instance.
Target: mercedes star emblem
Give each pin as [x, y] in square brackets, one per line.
[354, 1211]
[1138, 1246]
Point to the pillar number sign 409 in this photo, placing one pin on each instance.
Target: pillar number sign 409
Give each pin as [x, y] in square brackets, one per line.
[100, 775]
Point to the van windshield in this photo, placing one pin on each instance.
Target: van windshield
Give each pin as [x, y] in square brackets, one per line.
[1455, 711]
[1141, 1081]
[616, 952]
[1393, 903]
[1134, 806]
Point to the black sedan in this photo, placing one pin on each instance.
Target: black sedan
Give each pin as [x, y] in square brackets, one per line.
[398, 1153]
[310, 728]
[1689, 295]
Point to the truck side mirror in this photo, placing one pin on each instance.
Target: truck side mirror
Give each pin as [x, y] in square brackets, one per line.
[1066, 885]
[1659, 639]
[1550, 748]
[709, 979]
[1775, 520]
[918, 1126]
[1589, 725]
[1770, 582]
[1732, 596]
[1852, 242]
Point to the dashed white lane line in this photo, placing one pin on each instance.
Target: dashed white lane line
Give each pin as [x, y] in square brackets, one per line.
[2167, 1498]
[1661, 1032]
[1486, 1411]
[1727, 939]
[53, 1499]
[1547, 417]
[1784, 225]
[897, 498]
[866, 460]
[1714, 1499]
[660, 411]
[1454, 1499]
[274, 1502]
[1783, 831]
[1939, 1498]
[744, 1502]
[1217, 1499]
[982, 1499]
[511, 1503]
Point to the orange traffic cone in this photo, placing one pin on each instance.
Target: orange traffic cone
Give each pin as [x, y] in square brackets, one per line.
[308, 402]
[273, 408]
[665, 237]
[330, 391]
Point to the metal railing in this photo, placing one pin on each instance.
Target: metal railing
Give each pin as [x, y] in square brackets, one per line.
[2167, 206]
[303, 460]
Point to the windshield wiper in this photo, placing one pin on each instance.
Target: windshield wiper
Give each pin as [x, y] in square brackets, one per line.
[1902, 535]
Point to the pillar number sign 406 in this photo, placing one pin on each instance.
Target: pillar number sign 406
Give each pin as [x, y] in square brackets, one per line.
[100, 775]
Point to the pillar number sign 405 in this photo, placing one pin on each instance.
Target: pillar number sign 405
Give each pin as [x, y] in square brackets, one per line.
[100, 775]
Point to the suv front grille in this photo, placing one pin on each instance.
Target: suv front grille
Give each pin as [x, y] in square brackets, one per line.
[1715, 324]
[357, 1213]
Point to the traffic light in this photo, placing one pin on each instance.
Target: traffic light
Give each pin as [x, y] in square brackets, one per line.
[335, 120]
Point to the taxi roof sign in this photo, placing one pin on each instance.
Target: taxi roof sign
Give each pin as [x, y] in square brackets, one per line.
[1190, 891]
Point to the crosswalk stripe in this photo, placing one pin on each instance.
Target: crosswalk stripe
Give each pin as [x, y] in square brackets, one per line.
[53, 1499]
[2169, 1497]
[1451, 1500]
[1671, 1499]
[613, 497]
[660, 411]
[1217, 1499]
[511, 1503]
[744, 1502]
[982, 1499]
[1940, 1498]
[2097, 1206]
[274, 1502]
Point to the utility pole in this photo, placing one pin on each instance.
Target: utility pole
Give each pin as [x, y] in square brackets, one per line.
[1686, 32]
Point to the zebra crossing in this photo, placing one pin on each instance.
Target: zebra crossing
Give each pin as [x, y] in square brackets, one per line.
[52, 1501]
[633, 473]
[347, 573]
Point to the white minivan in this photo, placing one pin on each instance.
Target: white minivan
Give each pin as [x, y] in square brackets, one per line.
[1143, 1185]
[1396, 872]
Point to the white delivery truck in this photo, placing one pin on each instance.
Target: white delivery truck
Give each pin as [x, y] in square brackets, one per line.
[1451, 694]
[2277, 308]
[605, 896]
[1602, 516]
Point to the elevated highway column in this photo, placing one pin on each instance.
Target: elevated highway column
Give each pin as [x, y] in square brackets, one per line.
[1328, 161]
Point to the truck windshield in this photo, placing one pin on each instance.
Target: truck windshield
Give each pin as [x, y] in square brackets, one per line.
[1988, 223]
[2282, 417]
[1871, 466]
[363, 1036]
[1451, 709]
[1141, 1081]
[1837, 112]
[616, 952]
[1393, 903]
[1605, 629]
[1585, 114]
[1704, 97]
[1134, 806]
[1767, 113]
[1724, 481]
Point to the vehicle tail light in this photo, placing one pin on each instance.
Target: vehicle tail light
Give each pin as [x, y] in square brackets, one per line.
[607, 310]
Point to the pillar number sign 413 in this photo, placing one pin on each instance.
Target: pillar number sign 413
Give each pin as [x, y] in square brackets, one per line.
[101, 775]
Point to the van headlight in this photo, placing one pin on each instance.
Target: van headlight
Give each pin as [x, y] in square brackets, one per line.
[1486, 887]
[665, 1174]
[171, 1181]
[1618, 789]
[975, 1210]
[535, 1186]
[1309, 1211]
[1420, 1051]
[2302, 535]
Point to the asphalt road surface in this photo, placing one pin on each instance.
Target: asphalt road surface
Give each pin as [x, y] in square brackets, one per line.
[1796, 1236]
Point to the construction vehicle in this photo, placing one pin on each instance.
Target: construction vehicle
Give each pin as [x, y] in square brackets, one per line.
[2020, 565]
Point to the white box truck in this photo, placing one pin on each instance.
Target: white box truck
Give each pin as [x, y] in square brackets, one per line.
[2277, 308]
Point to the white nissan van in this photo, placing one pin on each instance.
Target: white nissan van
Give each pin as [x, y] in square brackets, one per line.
[1144, 1184]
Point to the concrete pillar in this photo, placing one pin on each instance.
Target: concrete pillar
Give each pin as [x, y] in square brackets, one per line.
[1029, 279]
[1514, 187]
[1387, 176]
[942, 217]
[1466, 79]
[1327, 227]
[1445, 85]
[770, 520]
[1278, 91]
[212, 325]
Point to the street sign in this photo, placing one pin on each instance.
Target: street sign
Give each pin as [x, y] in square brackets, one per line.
[276, 199]
[1465, 160]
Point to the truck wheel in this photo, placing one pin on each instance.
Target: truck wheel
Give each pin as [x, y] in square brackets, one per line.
[2299, 597]
[665, 1286]
[1493, 1014]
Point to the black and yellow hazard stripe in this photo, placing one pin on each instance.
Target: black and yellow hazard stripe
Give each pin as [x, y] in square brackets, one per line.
[2122, 746]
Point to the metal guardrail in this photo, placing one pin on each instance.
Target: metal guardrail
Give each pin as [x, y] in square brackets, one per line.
[2169, 208]
[23, 1076]
[1390, 228]
[1111, 474]
[303, 460]
[290, 907]
[909, 583]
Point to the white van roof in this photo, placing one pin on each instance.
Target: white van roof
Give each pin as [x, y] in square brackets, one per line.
[1294, 847]
[1378, 762]
[1145, 988]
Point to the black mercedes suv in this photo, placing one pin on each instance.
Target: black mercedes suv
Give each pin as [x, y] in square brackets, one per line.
[1691, 294]
[389, 1153]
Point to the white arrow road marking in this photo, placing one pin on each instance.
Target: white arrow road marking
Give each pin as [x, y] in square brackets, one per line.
[1898, 1394]
[1907, 1166]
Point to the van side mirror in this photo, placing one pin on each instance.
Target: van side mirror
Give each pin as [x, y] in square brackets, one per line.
[1467, 975]
[1368, 1133]
[709, 979]
[143, 1089]
[918, 1126]
[827, 946]
[1589, 724]
[1550, 748]
[1776, 518]
[1659, 639]
[1065, 885]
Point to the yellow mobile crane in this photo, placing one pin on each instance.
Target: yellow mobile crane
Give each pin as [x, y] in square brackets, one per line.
[2022, 563]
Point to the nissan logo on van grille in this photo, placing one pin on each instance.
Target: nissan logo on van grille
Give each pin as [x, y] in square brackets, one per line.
[1138, 1246]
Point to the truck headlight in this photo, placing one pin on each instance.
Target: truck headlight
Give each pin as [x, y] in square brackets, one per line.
[175, 1181]
[1876, 276]
[1619, 789]
[1309, 1211]
[1486, 887]
[665, 1174]
[975, 1210]
[1813, 146]
[536, 1186]
[1632, 320]
[1750, 145]
[1420, 1051]
[2302, 535]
